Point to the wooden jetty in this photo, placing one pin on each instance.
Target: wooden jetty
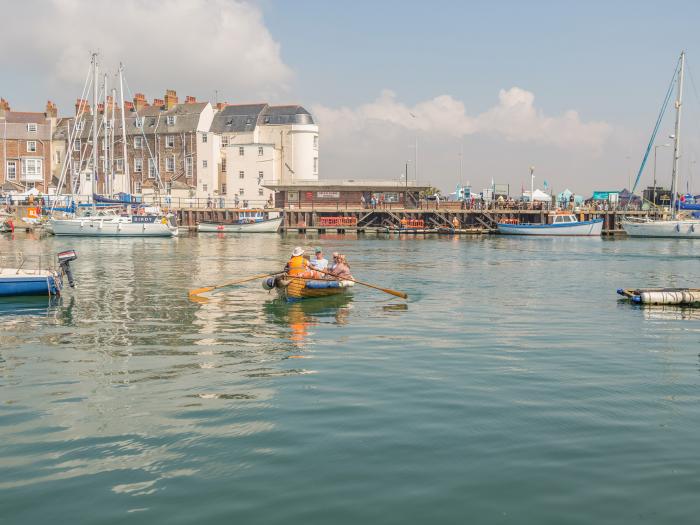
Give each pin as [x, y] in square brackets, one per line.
[445, 219]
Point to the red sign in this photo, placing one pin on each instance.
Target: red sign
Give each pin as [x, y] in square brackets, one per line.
[309, 195]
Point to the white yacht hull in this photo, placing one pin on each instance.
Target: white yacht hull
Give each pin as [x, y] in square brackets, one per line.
[110, 228]
[678, 229]
[268, 226]
[582, 229]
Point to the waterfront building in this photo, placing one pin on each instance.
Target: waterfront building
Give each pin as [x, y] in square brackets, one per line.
[26, 148]
[264, 144]
[168, 144]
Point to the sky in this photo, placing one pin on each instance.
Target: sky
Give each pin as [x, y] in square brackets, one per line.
[570, 88]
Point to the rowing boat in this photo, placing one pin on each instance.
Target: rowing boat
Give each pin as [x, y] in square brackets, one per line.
[292, 288]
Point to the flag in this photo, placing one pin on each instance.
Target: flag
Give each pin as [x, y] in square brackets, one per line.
[544, 183]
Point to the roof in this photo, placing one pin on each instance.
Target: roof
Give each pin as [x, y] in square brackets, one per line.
[23, 117]
[277, 115]
[237, 118]
[155, 120]
[345, 185]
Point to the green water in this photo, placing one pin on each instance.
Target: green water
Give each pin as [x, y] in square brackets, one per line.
[512, 387]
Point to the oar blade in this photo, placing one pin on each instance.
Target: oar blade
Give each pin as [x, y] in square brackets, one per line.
[201, 290]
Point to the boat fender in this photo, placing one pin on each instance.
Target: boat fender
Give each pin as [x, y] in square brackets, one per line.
[678, 227]
[692, 228]
[269, 283]
[164, 220]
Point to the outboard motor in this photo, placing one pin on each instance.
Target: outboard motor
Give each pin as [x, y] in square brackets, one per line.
[64, 260]
[269, 283]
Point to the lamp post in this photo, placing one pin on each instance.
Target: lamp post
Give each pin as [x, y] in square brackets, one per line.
[653, 199]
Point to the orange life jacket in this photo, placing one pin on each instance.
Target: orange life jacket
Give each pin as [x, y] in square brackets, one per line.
[297, 265]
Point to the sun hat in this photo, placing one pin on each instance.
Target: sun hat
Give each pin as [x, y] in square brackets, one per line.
[298, 251]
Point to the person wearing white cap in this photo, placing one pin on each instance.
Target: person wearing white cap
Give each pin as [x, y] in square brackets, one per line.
[297, 265]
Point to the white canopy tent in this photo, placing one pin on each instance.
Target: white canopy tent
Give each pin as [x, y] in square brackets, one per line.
[537, 196]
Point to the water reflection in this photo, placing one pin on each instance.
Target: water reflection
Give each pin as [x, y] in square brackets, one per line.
[302, 316]
[43, 306]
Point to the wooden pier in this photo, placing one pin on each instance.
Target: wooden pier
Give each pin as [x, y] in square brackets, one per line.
[443, 219]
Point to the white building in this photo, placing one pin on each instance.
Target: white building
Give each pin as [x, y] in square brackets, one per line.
[262, 143]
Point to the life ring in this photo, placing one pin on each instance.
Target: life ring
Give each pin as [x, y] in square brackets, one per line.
[164, 220]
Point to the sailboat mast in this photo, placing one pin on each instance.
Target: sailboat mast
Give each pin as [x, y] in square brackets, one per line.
[125, 163]
[677, 139]
[95, 127]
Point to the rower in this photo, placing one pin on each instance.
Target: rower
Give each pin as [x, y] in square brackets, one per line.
[298, 266]
[319, 262]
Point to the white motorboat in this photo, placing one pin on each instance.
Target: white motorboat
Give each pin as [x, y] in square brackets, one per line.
[247, 223]
[564, 224]
[677, 228]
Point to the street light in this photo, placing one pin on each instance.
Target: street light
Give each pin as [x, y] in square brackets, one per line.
[656, 147]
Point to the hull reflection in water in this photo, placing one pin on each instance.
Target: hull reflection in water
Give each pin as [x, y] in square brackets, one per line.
[29, 305]
[301, 316]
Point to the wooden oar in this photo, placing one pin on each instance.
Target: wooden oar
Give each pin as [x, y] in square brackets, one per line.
[385, 290]
[231, 283]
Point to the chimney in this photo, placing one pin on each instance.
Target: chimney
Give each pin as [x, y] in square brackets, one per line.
[128, 106]
[170, 98]
[4, 107]
[81, 103]
[100, 108]
[158, 102]
[221, 105]
[51, 110]
[190, 100]
[140, 101]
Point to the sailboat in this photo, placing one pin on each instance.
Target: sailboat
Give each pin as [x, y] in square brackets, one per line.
[111, 223]
[678, 226]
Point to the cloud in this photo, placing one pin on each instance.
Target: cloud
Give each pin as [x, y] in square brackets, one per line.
[194, 46]
[515, 119]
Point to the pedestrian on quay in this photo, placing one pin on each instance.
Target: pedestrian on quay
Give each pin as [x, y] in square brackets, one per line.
[363, 201]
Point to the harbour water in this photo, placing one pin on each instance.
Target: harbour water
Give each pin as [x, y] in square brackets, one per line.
[512, 387]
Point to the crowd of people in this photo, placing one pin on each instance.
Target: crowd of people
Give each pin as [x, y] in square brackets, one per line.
[317, 267]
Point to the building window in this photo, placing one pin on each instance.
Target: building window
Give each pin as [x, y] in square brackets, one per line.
[170, 163]
[108, 124]
[11, 170]
[152, 121]
[32, 167]
[204, 138]
[79, 126]
[223, 165]
[204, 187]
[188, 166]
[241, 174]
[76, 145]
[138, 122]
[260, 176]
[138, 142]
[241, 191]
[170, 141]
[138, 165]
[58, 157]
[315, 164]
[224, 140]
[151, 168]
[223, 189]
[137, 186]
[32, 127]
[241, 151]
[315, 141]
[261, 192]
[171, 120]
[168, 187]
[120, 165]
[261, 150]
[31, 146]
[204, 164]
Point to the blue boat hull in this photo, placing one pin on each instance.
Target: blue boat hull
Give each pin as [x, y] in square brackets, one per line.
[22, 285]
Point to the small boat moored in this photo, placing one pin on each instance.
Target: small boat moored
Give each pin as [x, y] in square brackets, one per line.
[248, 222]
[22, 281]
[562, 224]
